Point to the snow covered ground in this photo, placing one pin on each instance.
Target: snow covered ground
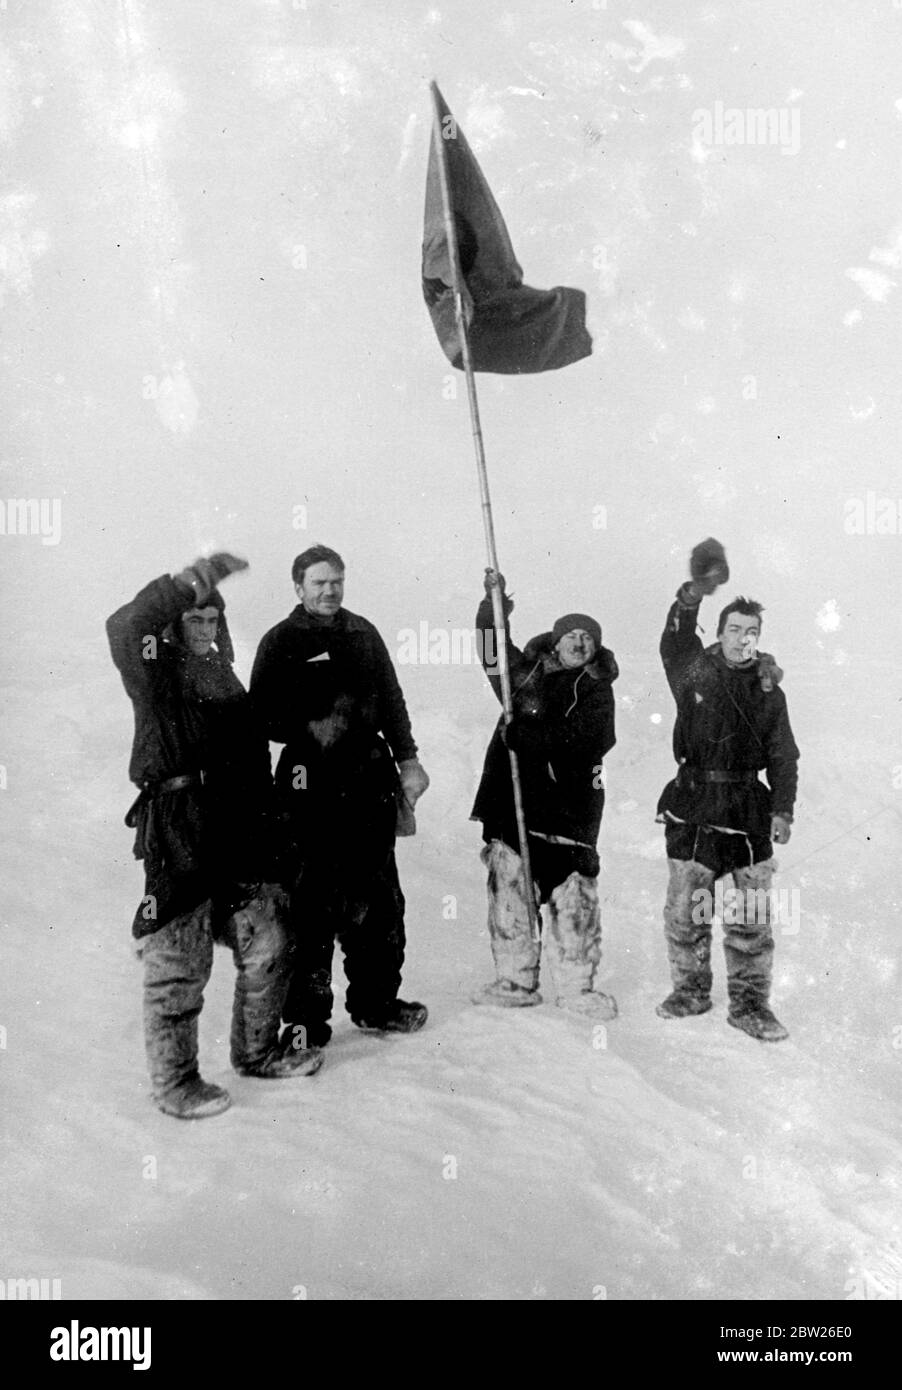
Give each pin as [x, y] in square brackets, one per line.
[494, 1155]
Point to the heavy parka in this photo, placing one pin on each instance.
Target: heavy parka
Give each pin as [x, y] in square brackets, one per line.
[209, 837]
[563, 726]
[728, 723]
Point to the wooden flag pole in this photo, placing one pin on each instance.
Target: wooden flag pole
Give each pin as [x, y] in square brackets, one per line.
[487, 521]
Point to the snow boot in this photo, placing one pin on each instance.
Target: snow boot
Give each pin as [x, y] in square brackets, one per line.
[749, 949]
[573, 947]
[396, 1017]
[194, 1100]
[680, 1004]
[177, 958]
[515, 951]
[278, 1066]
[687, 928]
[262, 954]
[506, 994]
[759, 1022]
[591, 1003]
[297, 1037]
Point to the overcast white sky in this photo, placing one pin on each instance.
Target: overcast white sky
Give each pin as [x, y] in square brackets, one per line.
[211, 223]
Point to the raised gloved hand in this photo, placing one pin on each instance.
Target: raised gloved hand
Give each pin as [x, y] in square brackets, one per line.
[780, 829]
[222, 564]
[494, 579]
[414, 780]
[708, 567]
[208, 571]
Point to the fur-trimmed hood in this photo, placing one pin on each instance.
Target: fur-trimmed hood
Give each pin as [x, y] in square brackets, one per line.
[763, 664]
[540, 649]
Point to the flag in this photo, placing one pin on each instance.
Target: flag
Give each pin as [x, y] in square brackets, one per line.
[511, 328]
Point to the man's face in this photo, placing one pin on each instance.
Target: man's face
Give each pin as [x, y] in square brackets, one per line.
[199, 628]
[575, 648]
[322, 589]
[739, 638]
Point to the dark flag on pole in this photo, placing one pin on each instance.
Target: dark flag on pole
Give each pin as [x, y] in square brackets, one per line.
[511, 328]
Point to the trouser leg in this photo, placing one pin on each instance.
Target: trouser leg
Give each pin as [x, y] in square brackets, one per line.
[573, 945]
[373, 942]
[515, 950]
[178, 959]
[687, 927]
[262, 952]
[748, 938]
[309, 999]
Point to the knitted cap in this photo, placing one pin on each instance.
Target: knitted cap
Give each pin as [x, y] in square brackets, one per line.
[570, 622]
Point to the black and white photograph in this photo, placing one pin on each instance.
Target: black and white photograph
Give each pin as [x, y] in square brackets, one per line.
[451, 753]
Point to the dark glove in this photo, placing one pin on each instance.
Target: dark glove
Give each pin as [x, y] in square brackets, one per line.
[222, 564]
[510, 735]
[708, 566]
[495, 579]
[203, 576]
[524, 733]
[686, 595]
[414, 780]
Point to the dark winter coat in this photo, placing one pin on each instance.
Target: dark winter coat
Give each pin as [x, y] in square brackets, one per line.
[194, 721]
[563, 726]
[328, 691]
[728, 723]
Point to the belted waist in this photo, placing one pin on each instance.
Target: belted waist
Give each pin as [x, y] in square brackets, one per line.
[148, 816]
[703, 774]
[138, 809]
[175, 784]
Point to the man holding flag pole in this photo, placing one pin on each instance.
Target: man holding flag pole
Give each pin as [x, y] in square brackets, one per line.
[486, 319]
[562, 726]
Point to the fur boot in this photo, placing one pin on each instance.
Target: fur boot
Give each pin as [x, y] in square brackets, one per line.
[516, 953]
[574, 947]
[688, 940]
[749, 949]
[177, 960]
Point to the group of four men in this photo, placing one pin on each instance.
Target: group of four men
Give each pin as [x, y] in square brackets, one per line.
[277, 869]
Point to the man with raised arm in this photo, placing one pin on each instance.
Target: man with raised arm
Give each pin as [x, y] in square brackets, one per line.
[719, 816]
[202, 824]
[561, 729]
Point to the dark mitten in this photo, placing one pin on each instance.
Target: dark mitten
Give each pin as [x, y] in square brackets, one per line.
[495, 579]
[708, 566]
[203, 576]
